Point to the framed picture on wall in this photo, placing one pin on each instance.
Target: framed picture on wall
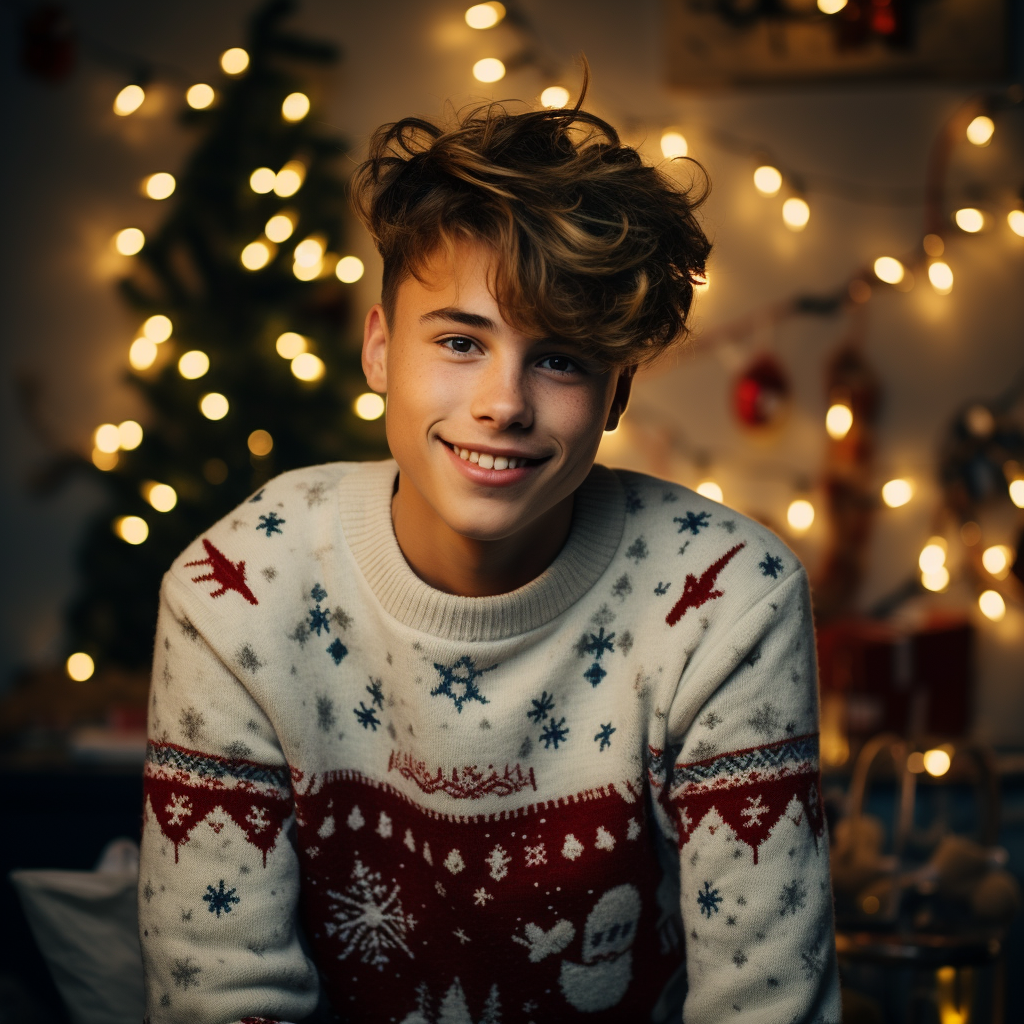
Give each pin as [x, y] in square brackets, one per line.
[756, 42]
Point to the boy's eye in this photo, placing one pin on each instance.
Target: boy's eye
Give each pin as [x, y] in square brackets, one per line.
[461, 345]
[560, 364]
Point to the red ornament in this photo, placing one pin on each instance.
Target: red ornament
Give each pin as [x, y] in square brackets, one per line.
[761, 392]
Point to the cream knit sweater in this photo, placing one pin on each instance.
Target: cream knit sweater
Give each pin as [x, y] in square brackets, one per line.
[589, 799]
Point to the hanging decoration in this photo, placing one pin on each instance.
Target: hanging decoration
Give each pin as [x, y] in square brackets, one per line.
[760, 395]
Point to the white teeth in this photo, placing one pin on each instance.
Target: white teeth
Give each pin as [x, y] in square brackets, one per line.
[501, 462]
[513, 463]
[474, 456]
[498, 462]
[486, 461]
[463, 453]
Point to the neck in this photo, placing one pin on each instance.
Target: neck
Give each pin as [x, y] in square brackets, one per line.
[455, 564]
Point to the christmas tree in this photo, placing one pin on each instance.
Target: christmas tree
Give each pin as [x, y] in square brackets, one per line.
[245, 356]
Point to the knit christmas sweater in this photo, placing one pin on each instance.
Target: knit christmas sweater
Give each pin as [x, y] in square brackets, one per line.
[595, 798]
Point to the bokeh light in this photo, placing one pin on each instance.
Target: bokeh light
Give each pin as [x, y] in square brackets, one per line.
[554, 97]
[159, 185]
[256, 255]
[129, 241]
[800, 514]
[129, 435]
[898, 492]
[214, 406]
[194, 364]
[290, 344]
[131, 529]
[795, 213]
[933, 555]
[889, 269]
[106, 438]
[289, 179]
[937, 580]
[831, 6]
[234, 61]
[295, 106]
[997, 560]
[768, 180]
[483, 16]
[349, 269]
[941, 277]
[163, 497]
[673, 145]
[490, 69]
[969, 219]
[369, 406]
[279, 228]
[128, 100]
[105, 461]
[260, 443]
[157, 328]
[1016, 489]
[200, 96]
[838, 420]
[307, 366]
[992, 605]
[262, 180]
[80, 667]
[709, 489]
[1015, 218]
[981, 130]
[936, 762]
[142, 354]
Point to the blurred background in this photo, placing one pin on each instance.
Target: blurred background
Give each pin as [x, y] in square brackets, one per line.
[184, 289]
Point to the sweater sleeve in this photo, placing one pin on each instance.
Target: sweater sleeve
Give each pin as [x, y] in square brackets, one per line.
[742, 793]
[219, 878]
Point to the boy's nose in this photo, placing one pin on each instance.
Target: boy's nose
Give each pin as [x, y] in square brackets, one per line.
[502, 398]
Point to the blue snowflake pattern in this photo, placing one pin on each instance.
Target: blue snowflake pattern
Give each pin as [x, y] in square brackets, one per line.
[463, 673]
[554, 733]
[708, 899]
[662, 588]
[633, 502]
[770, 566]
[258, 496]
[220, 899]
[337, 651]
[597, 645]
[272, 523]
[793, 898]
[366, 716]
[694, 521]
[375, 692]
[604, 737]
[541, 707]
[594, 674]
[319, 618]
[317, 593]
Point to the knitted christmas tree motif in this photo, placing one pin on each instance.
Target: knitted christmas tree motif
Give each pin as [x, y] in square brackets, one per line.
[458, 681]
[697, 592]
[230, 575]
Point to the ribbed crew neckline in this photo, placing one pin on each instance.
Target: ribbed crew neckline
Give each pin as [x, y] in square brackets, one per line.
[594, 536]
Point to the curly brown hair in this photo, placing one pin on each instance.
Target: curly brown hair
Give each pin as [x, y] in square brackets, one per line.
[594, 246]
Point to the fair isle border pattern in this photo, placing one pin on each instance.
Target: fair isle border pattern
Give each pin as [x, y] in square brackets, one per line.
[788, 753]
[167, 755]
[473, 785]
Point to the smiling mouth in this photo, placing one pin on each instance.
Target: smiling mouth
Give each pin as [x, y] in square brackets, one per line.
[488, 461]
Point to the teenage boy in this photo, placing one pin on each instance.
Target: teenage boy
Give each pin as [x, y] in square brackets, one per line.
[510, 736]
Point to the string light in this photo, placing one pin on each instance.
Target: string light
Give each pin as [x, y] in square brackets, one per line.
[795, 213]
[992, 605]
[941, 277]
[831, 6]
[889, 269]
[234, 61]
[997, 560]
[935, 581]
[349, 269]
[163, 497]
[289, 179]
[309, 252]
[159, 185]
[193, 365]
[1017, 492]
[307, 366]
[980, 130]
[214, 406]
[1015, 218]
[262, 180]
[142, 354]
[897, 492]
[838, 421]
[128, 100]
[490, 69]
[131, 529]
[369, 406]
[260, 443]
[936, 762]
[200, 96]
[969, 219]
[104, 460]
[106, 438]
[129, 241]
[308, 273]
[157, 328]
[933, 555]
[800, 514]
[485, 15]
[256, 255]
[767, 180]
[673, 145]
[279, 228]
[129, 435]
[80, 667]
[709, 489]
[555, 97]
[290, 344]
[295, 106]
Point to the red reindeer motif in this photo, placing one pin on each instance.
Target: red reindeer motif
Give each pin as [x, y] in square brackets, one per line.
[230, 575]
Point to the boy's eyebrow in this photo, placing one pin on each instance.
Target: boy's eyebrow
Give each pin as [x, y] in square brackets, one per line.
[460, 316]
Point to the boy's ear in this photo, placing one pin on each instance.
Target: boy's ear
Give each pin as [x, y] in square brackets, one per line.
[620, 399]
[375, 344]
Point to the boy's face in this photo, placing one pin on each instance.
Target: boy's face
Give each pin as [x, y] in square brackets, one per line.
[458, 377]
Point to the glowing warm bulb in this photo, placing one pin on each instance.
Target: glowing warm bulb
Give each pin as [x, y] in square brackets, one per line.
[193, 365]
[290, 344]
[997, 560]
[262, 180]
[199, 96]
[159, 185]
[129, 241]
[309, 252]
[490, 69]
[980, 130]
[106, 438]
[831, 6]
[1015, 218]
[163, 497]
[131, 529]
[308, 273]
[349, 269]
[289, 179]
[889, 269]
[485, 15]
[709, 489]
[937, 580]
[838, 421]
[157, 328]
[129, 435]
[795, 214]
[128, 100]
[369, 406]
[800, 514]
[555, 97]
[104, 460]
[214, 406]
[307, 366]
[936, 762]
[969, 219]
[941, 277]
[1017, 492]
[234, 61]
[279, 228]
[260, 443]
[933, 555]
[897, 492]
[142, 354]
[80, 667]
[992, 605]
[295, 106]
[767, 180]
[256, 255]
[673, 145]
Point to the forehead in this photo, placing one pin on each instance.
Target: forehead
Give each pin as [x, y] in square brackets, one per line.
[462, 275]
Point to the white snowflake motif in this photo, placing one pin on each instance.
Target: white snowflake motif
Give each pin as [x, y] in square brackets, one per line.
[498, 861]
[481, 896]
[179, 808]
[440, 890]
[368, 918]
[754, 812]
[257, 817]
[461, 936]
[454, 862]
[536, 855]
